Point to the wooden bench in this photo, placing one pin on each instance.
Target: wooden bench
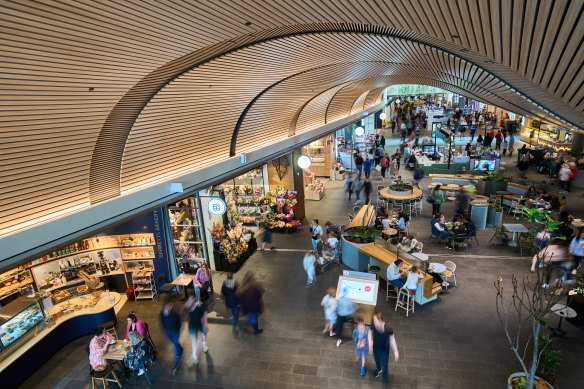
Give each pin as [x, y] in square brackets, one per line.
[445, 179]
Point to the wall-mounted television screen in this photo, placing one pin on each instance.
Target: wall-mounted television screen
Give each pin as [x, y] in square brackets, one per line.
[486, 165]
[428, 149]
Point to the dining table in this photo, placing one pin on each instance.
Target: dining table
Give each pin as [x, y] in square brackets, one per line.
[117, 351]
[184, 281]
[514, 228]
[436, 267]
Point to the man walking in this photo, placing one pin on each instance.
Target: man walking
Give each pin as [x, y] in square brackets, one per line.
[367, 189]
[171, 324]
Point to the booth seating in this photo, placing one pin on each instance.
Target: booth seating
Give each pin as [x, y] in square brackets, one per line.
[445, 179]
[383, 254]
[520, 190]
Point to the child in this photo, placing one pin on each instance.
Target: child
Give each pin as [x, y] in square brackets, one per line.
[361, 346]
[329, 303]
[442, 220]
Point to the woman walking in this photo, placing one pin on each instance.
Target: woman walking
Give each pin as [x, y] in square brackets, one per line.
[360, 335]
[308, 263]
[250, 301]
[329, 304]
[438, 196]
[357, 186]
[229, 291]
[394, 167]
[171, 324]
[316, 231]
[381, 339]
[384, 165]
[197, 318]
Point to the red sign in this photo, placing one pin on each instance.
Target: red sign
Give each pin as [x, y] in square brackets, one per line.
[368, 289]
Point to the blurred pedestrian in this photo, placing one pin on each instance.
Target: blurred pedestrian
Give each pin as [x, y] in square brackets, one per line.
[197, 318]
[266, 228]
[381, 339]
[250, 301]
[171, 325]
[349, 185]
[308, 263]
[229, 291]
[329, 304]
[367, 189]
[345, 308]
[360, 335]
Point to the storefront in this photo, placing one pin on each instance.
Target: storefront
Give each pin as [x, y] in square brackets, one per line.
[536, 133]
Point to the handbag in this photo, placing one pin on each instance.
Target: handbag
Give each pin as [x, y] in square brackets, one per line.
[430, 198]
[378, 168]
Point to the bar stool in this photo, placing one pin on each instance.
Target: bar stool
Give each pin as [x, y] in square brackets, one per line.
[405, 300]
[391, 288]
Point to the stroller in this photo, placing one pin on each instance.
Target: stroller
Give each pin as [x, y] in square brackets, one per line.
[326, 255]
[411, 162]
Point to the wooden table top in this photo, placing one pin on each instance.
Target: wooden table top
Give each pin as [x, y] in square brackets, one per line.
[385, 256]
[117, 351]
[363, 217]
[416, 194]
[182, 281]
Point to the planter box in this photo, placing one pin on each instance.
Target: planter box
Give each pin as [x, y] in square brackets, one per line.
[400, 192]
[494, 218]
[491, 187]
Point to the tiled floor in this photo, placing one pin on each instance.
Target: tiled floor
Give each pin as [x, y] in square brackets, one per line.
[454, 342]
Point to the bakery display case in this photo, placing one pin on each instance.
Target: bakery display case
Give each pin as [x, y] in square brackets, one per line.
[13, 281]
[547, 135]
[18, 319]
[321, 153]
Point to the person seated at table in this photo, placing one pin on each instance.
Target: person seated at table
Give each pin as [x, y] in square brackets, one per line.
[554, 204]
[140, 351]
[459, 228]
[394, 277]
[410, 242]
[202, 281]
[545, 196]
[412, 280]
[441, 219]
[135, 325]
[437, 229]
[386, 222]
[470, 227]
[98, 347]
[531, 193]
[401, 221]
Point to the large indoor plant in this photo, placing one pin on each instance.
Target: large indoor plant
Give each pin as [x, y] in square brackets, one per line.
[400, 189]
[492, 182]
[529, 305]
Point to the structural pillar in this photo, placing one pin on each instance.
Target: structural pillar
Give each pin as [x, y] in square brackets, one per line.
[577, 142]
[298, 184]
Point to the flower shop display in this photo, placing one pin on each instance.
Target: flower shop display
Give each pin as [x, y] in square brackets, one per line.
[313, 187]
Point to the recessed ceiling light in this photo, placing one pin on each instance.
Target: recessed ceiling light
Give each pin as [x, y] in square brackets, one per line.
[248, 23]
[91, 89]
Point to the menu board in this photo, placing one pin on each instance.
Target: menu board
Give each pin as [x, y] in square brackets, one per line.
[359, 290]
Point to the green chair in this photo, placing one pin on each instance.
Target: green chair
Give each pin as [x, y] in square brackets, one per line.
[526, 242]
[473, 235]
[460, 241]
[500, 235]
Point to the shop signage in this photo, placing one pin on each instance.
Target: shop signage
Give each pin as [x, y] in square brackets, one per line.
[217, 206]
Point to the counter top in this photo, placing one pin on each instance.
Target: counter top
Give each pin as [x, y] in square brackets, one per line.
[102, 305]
[387, 257]
[365, 214]
[416, 194]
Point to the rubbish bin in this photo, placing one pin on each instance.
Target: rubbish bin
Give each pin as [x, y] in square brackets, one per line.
[130, 294]
[375, 270]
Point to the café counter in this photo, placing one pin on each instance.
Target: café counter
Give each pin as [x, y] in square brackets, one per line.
[382, 255]
[76, 317]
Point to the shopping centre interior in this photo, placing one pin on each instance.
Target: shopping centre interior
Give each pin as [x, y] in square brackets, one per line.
[145, 141]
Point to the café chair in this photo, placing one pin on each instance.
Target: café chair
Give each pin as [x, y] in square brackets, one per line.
[405, 300]
[163, 286]
[516, 208]
[473, 235]
[450, 272]
[392, 291]
[356, 209]
[500, 235]
[460, 241]
[145, 369]
[149, 337]
[525, 242]
[110, 327]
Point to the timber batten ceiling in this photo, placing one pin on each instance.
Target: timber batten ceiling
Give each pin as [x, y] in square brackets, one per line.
[94, 93]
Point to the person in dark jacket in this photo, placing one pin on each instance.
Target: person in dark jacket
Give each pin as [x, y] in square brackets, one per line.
[229, 291]
[367, 187]
[250, 301]
[171, 324]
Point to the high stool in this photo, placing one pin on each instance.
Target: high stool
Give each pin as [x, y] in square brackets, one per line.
[405, 300]
[391, 288]
[103, 376]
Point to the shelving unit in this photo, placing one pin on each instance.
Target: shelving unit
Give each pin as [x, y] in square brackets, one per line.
[322, 154]
[137, 253]
[187, 231]
[11, 281]
[144, 285]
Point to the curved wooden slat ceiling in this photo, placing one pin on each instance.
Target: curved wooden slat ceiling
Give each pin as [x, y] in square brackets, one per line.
[76, 76]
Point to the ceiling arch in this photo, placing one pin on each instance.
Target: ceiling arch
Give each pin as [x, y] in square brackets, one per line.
[76, 76]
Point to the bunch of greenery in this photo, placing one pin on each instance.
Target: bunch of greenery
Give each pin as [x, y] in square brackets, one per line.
[496, 176]
[401, 187]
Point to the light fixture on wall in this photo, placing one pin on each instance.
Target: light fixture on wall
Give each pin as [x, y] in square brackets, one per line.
[304, 161]
[382, 115]
[359, 131]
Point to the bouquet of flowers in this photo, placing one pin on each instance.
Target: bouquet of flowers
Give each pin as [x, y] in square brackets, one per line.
[217, 230]
[239, 201]
[291, 203]
[281, 203]
[227, 189]
[248, 201]
[281, 192]
[236, 189]
[295, 223]
[247, 189]
[292, 194]
[258, 190]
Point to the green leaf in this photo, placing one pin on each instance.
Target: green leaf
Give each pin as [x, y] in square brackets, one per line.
[540, 321]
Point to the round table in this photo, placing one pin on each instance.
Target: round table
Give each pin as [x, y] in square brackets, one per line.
[416, 194]
[389, 232]
[563, 311]
[420, 256]
[436, 267]
[503, 193]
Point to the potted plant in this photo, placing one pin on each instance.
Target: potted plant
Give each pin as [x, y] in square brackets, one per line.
[529, 306]
[400, 189]
[549, 360]
[492, 182]
[495, 215]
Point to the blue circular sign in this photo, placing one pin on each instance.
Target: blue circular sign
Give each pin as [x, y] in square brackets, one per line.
[217, 206]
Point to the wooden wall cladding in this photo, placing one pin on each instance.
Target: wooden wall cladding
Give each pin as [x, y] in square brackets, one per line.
[75, 77]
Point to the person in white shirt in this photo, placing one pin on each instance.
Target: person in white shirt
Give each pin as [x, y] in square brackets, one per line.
[412, 281]
[386, 223]
[394, 276]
